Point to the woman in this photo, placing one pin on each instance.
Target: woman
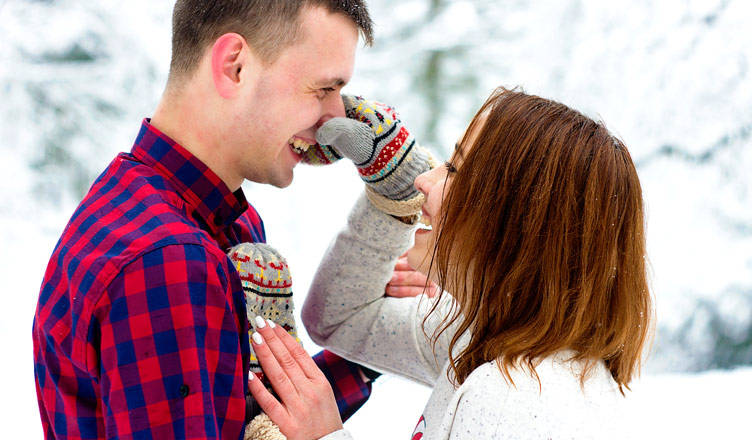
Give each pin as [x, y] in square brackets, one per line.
[538, 241]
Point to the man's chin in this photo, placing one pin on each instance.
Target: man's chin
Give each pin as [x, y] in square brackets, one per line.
[277, 181]
[282, 185]
[282, 181]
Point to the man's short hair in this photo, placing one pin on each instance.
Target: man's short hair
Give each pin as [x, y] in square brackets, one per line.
[269, 26]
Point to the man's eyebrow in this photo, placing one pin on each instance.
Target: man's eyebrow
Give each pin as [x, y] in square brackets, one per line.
[330, 82]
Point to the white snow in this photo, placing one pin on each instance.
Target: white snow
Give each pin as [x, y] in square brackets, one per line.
[669, 73]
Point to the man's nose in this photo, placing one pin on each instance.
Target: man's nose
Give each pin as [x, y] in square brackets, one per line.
[333, 107]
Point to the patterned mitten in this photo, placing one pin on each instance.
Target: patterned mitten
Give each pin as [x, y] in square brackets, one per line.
[267, 284]
[318, 154]
[386, 155]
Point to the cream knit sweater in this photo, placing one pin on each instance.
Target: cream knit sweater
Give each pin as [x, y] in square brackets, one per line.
[347, 312]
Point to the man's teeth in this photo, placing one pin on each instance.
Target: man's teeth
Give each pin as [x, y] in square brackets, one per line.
[425, 221]
[299, 145]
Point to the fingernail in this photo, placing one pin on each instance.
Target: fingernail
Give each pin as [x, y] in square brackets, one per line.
[251, 377]
[260, 323]
[271, 323]
[257, 339]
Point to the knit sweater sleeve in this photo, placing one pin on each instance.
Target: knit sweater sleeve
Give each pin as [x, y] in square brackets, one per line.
[346, 309]
[342, 434]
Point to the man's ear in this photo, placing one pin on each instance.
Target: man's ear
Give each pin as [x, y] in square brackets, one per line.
[227, 61]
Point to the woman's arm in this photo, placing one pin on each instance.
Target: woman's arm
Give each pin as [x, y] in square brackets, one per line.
[347, 312]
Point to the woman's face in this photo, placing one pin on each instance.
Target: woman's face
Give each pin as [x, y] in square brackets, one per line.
[434, 184]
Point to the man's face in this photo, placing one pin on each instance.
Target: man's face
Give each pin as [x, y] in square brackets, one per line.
[291, 98]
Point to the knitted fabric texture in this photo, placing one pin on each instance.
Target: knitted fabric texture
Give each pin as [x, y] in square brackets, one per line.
[386, 155]
[267, 284]
[400, 208]
[320, 155]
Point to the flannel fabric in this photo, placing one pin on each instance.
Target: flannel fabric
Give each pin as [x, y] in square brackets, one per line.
[349, 388]
[140, 329]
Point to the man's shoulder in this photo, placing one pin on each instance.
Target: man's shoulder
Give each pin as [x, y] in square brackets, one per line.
[134, 203]
[127, 213]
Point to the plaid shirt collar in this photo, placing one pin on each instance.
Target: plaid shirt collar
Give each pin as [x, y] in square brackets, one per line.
[212, 201]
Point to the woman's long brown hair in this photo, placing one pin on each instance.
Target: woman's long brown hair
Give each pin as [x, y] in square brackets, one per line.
[542, 242]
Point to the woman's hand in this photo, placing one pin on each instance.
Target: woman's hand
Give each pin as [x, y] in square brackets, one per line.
[407, 281]
[307, 409]
[385, 153]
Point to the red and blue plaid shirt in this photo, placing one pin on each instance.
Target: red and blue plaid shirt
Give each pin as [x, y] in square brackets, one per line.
[140, 331]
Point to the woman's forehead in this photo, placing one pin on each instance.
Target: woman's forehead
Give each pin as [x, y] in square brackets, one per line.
[460, 147]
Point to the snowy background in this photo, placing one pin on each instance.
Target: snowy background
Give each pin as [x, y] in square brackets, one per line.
[671, 77]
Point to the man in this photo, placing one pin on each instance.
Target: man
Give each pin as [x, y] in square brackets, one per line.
[140, 330]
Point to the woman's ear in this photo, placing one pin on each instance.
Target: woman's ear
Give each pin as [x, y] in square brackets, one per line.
[228, 59]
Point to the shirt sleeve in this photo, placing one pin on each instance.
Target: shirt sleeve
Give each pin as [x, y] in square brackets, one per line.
[350, 390]
[172, 348]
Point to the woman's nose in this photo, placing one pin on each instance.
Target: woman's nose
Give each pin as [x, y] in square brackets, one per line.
[421, 183]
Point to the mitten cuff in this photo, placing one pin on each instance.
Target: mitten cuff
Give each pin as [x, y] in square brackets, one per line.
[397, 208]
[262, 428]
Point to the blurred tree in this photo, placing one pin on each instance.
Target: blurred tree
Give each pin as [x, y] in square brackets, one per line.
[434, 44]
[70, 88]
[718, 335]
[672, 78]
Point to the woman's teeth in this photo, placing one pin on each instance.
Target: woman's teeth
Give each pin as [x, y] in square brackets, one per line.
[300, 146]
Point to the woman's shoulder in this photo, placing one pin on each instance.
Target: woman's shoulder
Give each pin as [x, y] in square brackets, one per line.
[485, 387]
[557, 404]
[555, 377]
[486, 376]
[560, 368]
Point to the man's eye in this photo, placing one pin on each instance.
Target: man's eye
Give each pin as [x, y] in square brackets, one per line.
[323, 93]
[450, 167]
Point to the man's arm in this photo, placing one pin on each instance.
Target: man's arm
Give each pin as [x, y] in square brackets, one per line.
[350, 382]
[171, 345]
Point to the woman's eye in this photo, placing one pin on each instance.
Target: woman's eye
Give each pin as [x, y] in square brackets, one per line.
[450, 167]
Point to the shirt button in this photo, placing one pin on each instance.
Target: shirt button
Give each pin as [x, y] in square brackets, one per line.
[218, 220]
[184, 390]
